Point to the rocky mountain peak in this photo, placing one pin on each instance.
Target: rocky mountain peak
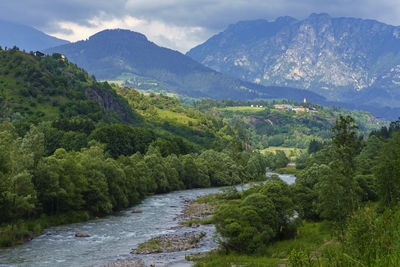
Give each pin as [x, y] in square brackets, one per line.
[340, 58]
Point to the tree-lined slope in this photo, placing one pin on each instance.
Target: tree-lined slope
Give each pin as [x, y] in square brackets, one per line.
[128, 56]
[48, 88]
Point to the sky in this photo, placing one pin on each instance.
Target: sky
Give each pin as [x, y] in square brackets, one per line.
[178, 24]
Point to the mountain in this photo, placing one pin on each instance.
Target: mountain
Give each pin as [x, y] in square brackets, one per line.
[123, 55]
[25, 37]
[349, 60]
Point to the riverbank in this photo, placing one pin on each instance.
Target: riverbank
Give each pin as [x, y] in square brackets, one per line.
[24, 231]
[311, 241]
[113, 237]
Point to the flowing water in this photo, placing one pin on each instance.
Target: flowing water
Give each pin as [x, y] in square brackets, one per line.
[113, 237]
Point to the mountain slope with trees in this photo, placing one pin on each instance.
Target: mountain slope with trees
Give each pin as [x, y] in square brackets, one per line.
[123, 55]
[72, 148]
[278, 124]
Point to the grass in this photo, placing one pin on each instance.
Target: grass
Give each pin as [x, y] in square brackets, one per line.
[244, 109]
[289, 151]
[288, 170]
[152, 245]
[26, 230]
[216, 259]
[311, 238]
[181, 118]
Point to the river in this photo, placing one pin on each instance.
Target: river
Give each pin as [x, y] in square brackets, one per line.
[113, 237]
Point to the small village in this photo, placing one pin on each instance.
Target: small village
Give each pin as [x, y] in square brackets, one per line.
[285, 107]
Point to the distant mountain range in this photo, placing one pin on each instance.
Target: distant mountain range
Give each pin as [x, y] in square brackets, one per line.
[25, 37]
[123, 55]
[348, 60]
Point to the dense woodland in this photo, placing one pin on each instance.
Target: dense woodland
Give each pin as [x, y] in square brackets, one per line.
[350, 184]
[67, 153]
[266, 126]
[72, 148]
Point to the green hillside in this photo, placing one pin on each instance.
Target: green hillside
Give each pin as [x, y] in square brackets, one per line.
[50, 90]
[129, 58]
[267, 124]
[36, 89]
[72, 148]
[168, 114]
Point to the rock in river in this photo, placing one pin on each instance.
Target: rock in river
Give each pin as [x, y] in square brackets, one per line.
[81, 235]
[137, 211]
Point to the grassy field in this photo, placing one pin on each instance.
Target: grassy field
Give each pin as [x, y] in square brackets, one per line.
[244, 109]
[291, 152]
[182, 118]
[288, 170]
[311, 240]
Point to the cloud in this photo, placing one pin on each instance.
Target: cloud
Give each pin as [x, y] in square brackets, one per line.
[178, 24]
[180, 38]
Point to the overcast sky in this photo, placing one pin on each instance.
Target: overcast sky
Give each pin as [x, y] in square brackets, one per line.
[177, 24]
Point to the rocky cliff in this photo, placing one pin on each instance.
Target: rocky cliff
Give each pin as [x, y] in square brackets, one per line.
[344, 59]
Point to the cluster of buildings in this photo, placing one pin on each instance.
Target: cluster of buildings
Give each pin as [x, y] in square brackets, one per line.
[256, 106]
[294, 108]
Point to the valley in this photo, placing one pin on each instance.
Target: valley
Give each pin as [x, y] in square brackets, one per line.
[273, 142]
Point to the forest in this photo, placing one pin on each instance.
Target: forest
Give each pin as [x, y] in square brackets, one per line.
[343, 209]
[68, 154]
[73, 149]
[267, 126]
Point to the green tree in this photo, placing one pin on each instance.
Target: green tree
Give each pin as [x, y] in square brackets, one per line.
[346, 146]
[387, 172]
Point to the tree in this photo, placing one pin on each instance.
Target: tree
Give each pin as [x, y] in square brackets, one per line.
[346, 146]
[17, 193]
[387, 172]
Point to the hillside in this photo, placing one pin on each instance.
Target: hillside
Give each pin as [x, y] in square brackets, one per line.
[73, 148]
[128, 57]
[347, 60]
[285, 124]
[51, 91]
[25, 37]
[47, 88]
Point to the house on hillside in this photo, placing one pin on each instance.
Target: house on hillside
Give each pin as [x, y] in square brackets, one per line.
[301, 109]
[283, 106]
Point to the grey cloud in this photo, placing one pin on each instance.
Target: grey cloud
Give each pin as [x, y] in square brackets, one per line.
[218, 14]
[44, 13]
[212, 15]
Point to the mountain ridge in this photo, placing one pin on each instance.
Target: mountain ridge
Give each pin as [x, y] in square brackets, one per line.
[340, 58]
[112, 54]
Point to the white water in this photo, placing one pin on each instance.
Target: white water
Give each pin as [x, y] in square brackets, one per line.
[113, 237]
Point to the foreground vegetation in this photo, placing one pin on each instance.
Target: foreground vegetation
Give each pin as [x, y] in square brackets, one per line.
[346, 200]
